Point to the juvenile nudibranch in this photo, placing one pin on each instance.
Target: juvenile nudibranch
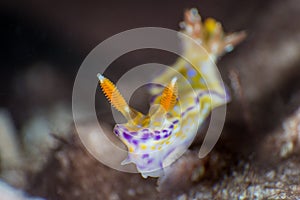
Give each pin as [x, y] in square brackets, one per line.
[159, 138]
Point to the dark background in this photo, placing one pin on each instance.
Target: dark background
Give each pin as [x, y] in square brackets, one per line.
[63, 33]
[43, 43]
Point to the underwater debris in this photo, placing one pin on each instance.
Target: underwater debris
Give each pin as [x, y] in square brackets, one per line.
[291, 135]
[38, 133]
[11, 161]
[9, 193]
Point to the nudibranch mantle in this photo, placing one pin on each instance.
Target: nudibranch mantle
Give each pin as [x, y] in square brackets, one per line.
[157, 139]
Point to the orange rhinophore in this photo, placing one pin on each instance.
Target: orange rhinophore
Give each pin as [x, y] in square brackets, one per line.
[113, 95]
[169, 95]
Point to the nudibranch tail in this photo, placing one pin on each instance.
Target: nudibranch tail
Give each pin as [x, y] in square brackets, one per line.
[169, 95]
[114, 97]
[210, 33]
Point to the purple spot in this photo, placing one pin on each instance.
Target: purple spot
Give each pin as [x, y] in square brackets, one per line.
[116, 132]
[146, 136]
[133, 133]
[190, 108]
[150, 161]
[127, 136]
[157, 137]
[171, 126]
[145, 156]
[157, 132]
[135, 142]
[164, 131]
[176, 121]
[165, 136]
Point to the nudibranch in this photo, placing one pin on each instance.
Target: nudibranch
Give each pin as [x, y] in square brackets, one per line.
[157, 139]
